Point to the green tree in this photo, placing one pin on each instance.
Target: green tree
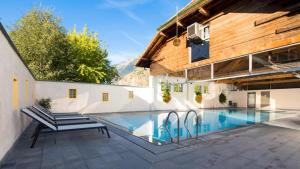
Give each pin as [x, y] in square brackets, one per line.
[89, 59]
[42, 42]
[52, 54]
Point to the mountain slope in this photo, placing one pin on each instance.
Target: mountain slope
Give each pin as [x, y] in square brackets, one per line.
[138, 77]
[126, 67]
[131, 75]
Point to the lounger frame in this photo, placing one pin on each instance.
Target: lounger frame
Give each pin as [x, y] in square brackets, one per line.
[42, 123]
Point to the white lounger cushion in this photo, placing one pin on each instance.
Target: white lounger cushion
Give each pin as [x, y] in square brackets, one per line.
[80, 126]
[38, 118]
[75, 117]
[71, 118]
[62, 127]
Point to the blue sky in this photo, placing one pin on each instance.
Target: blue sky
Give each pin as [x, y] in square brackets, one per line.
[125, 26]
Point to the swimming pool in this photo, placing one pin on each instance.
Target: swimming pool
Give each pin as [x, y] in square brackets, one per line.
[151, 125]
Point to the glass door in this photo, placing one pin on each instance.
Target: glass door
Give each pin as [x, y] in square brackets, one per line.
[251, 100]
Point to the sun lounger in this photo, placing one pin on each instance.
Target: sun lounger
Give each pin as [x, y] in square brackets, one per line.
[60, 117]
[61, 122]
[43, 123]
[57, 114]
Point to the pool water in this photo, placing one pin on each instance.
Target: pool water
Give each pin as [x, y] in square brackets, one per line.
[151, 125]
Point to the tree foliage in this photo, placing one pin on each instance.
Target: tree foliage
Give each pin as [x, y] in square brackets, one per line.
[53, 54]
[42, 43]
[89, 59]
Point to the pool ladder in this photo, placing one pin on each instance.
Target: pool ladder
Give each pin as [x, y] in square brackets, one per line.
[197, 123]
[166, 125]
[185, 124]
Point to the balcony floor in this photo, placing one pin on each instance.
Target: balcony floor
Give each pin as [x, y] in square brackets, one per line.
[259, 146]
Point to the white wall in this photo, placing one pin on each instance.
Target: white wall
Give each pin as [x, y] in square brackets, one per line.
[89, 97]
[279, 98]
[186, 99]
[178, 100]
[12, 122]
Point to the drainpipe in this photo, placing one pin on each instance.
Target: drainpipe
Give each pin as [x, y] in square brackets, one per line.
[212, 71]
[187, 86]
[250, 63]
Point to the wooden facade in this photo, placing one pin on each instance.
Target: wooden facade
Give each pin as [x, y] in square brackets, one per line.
[237, 28]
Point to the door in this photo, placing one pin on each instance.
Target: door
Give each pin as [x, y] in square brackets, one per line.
[251, 100]
[265, 99]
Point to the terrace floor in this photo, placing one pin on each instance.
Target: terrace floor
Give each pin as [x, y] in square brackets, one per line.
[259, 146]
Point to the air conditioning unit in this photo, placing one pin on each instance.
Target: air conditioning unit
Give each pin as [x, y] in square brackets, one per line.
[195, 31]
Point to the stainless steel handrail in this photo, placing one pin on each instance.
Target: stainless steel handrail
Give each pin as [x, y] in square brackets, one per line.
[197, 123]
[166, 126]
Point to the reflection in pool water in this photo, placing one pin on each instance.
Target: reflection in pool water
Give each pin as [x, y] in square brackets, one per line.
[151, 125]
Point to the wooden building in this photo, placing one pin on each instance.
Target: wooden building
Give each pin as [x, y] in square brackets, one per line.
[251, 44]
[239, 31]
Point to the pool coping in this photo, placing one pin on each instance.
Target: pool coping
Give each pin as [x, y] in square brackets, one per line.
[159, 149]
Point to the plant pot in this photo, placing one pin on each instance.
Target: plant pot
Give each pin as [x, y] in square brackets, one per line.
[198, 99]
[166, 99]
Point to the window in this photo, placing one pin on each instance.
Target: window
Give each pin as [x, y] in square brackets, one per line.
[15, 94]
[72, 93]
[105, 97]
[164, 86]
[197, 89]
[200, 47]
[232, 67]
[265, 98]
[206, 89]
[178, 87]
[130, 94]
[199, 73]
[206, 33]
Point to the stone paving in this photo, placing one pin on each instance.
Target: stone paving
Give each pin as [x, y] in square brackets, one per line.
[261, 146]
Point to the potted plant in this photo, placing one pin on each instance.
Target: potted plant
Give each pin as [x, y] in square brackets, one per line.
[198, 97]
[166, 95]
[46, 103]
[198, 93]
[222, 98]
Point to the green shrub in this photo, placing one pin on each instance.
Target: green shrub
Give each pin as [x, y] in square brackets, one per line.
[46, 103]
[222, 98]
[166, 95]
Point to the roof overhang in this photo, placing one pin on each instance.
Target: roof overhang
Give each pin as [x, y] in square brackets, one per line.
[197, 5]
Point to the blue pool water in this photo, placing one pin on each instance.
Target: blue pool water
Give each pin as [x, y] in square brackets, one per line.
[151, 125]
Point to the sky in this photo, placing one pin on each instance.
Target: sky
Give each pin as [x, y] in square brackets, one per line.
[125, 27]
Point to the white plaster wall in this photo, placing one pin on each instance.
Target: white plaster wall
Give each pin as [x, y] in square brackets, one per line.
[178, 100]
[12, 122]
[210, 99]
[89, 97]
[279, 98]
[186, 99]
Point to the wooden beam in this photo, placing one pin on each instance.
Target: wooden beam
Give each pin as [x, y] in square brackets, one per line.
[277, 15]
[158, 60]
[286, 29]
[203, 11]
[271, 18]
[272, 82]
[180, 24]
[214, 17]
[162, 34]
[257, 78]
